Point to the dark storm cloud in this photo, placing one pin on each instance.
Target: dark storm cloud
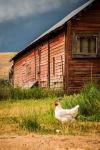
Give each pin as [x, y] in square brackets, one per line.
[21, 21]
[11, 9]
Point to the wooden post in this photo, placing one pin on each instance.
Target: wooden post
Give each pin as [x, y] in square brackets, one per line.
[35, 63]
[13, 74]
[66, 67]
[48, 64]
[91, 72]
[39, 73]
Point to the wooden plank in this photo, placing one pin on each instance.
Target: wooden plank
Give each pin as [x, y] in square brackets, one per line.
[48, 63]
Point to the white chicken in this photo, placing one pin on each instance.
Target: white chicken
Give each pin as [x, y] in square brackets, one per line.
[65, 115]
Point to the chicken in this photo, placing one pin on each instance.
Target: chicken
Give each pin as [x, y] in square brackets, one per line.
[65, 115]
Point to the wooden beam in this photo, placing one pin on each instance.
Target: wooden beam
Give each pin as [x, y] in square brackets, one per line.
[39, 54]
[35, 63]
[48, 64]
[67, 49]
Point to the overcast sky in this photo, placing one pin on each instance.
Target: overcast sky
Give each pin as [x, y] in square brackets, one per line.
[21, 21]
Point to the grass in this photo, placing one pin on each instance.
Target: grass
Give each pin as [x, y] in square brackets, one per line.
[36, 112]
[88, 100]
[23, 114]
[38, 116]
[30, 122]
[8, 92]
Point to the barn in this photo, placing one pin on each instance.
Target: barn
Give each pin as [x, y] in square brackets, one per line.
[66, 56]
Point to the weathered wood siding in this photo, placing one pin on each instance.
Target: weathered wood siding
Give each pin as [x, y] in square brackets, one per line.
[82, 70]
[22, 78]
[57, 61]
[37, 65]
[44, 65]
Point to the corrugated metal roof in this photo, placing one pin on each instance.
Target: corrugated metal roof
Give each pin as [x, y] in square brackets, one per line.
[60, 23]
[68, 17]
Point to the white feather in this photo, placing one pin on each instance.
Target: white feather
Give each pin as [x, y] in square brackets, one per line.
[65, 115]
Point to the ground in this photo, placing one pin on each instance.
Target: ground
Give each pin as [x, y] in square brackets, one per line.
[49, 142]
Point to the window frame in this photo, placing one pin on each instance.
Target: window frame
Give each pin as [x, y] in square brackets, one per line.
[76, 54]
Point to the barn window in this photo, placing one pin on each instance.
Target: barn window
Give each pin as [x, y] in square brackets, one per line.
[54, 66]
[85, 45]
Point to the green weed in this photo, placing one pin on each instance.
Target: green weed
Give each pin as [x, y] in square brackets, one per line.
[88, 100]
[29, 122]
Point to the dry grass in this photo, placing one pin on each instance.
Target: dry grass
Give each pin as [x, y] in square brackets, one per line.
[5, 64]
[38, 115]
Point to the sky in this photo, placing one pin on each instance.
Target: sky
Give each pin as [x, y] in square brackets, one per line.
[22, 21]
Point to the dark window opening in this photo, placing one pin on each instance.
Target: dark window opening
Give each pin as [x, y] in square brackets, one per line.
[85, 45]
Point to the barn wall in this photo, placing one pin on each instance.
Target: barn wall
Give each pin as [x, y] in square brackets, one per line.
[44, 65]
[24, 70]
[37, 65]
[57, 61]
[82, 70]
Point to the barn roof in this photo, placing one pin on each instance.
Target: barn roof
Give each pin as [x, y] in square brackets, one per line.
[55, 27]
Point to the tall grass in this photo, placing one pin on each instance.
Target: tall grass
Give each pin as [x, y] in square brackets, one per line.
[8, 92]
[36, 93]
[4, 89]
[88, 99]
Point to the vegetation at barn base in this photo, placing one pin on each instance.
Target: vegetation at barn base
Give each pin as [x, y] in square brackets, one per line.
[89, 101]
[8, 92]
[4, 89]
[33, 110]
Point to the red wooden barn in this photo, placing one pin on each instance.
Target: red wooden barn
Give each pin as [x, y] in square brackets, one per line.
[66, 56]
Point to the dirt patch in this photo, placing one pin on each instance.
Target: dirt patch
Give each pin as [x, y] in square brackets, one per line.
[50, 142]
